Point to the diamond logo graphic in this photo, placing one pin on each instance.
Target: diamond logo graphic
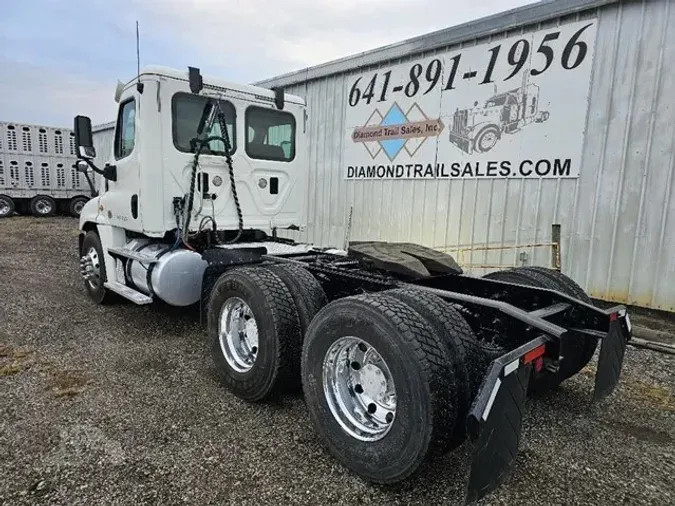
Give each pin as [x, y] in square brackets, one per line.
[396, 130]
[395, 116]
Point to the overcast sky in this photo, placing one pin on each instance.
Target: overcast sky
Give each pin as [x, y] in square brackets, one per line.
[59, 58]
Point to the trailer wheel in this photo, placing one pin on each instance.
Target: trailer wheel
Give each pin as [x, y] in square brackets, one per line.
[306, 291]
[42, 206]
[486, 139]
[75, 206]
[254, 331]
[6, 206]
[457, 336]
[92, 268]
[375, 379]
[583, 347]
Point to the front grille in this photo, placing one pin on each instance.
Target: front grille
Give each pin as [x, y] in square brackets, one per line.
[459, 121]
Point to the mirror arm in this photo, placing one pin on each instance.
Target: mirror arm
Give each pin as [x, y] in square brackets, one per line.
[109, 171]
[91, 186]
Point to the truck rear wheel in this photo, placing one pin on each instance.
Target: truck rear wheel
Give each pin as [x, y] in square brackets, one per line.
[6, 206]
[375, 379]
[306, 291]
[254, 331]
[456, 336]
[582, 348]
[75, 206]
[43, 206]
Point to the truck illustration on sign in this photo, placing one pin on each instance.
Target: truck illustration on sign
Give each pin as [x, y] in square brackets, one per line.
[480, 128]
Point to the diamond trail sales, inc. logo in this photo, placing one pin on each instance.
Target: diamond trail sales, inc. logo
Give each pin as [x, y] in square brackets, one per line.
[396, 131]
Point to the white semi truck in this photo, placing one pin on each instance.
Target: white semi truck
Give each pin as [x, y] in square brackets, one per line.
[38, 173]
[400, 355]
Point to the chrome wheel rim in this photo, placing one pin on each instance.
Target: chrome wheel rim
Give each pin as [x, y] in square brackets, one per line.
[43, 206]
[488, 140]
[77, 207]
[359, 389]
[238, 334]
[4, 208]
[90, 268]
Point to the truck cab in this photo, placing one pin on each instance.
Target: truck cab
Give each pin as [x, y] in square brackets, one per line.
[153, 156]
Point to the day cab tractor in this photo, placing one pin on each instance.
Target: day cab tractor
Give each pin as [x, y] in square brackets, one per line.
[400, 355]
[478, 129]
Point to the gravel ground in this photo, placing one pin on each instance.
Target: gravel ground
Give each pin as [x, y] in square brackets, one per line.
[121, 405]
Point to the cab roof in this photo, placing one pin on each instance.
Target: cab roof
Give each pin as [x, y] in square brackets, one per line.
[182, 75]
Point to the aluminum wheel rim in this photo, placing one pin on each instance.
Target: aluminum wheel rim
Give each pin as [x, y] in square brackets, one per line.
[43, 206]
[91, 268]
[238, 334]
[359, 389]
[488, 140]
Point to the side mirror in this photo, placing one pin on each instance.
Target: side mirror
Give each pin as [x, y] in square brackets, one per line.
[84, 139]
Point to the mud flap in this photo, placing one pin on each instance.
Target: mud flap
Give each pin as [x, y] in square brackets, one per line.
[610, 360]
[495, 428]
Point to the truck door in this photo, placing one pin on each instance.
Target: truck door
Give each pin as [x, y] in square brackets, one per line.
[120, 202]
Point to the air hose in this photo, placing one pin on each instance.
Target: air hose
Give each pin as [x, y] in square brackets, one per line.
[199, 144]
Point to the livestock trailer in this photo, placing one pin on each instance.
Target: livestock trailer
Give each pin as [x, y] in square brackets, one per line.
[38, 172]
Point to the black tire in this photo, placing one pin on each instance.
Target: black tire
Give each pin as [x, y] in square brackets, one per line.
[482, 135]
[42, 206]
[306, 291]
[75, 206]
[456, 336]
[278, 327]
[419, 367]
[582, 348]
[95, 289]
[6, 206]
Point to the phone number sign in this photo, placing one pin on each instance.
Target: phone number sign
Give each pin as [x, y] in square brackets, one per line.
[513, 107]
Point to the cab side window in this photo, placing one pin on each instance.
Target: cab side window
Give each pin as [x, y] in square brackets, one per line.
[270, 134]
[125, 133]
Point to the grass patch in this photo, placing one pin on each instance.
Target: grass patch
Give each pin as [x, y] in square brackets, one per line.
[18, 360]
[655, 395]
[10, 369]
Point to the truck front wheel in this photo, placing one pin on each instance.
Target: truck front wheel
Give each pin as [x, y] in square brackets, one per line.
[254, 331]
[92, 268]
[486, 139]
[375, 379]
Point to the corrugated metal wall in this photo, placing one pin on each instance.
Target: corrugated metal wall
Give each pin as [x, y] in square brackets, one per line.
[617, 218]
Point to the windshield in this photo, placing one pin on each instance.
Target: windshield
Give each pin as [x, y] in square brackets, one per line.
[496, 101]
[186, 113]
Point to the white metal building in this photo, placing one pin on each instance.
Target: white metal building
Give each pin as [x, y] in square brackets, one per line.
[478, 139]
